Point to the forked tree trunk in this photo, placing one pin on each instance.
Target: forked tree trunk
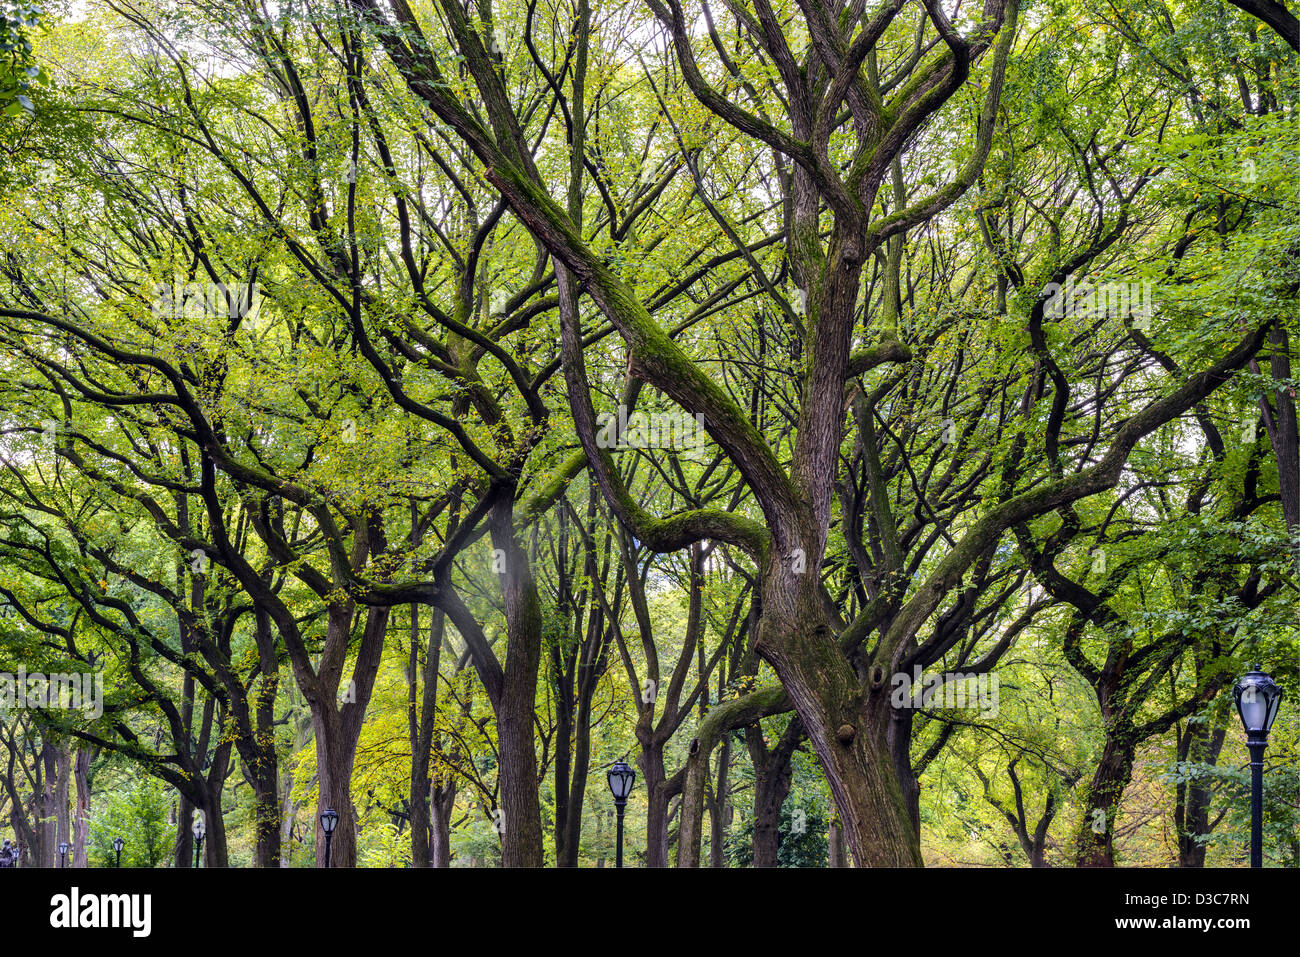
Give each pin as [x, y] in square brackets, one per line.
[847, 733]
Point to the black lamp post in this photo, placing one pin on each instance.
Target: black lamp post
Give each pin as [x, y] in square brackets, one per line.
[63, 854]
[118, 844]
[621, 778]
[329, 820]
[199, 831]
[1257, 697]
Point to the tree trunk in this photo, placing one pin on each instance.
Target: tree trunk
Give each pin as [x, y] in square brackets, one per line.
[338, 728]
[1192, 812]
[48, 810]
[1095, 841]
[81, 821]
[578, 782]
[441, 807]
[420, 729]
[651, 763]
[772, 773]
[521, 837]
[847, 734]
[266, 809]
[261, 764]
[334, 763]
[771, 787]
[564, 708]
[62, 798]
[215, 849]
[719, 808]
[838, 853]
[184, 854]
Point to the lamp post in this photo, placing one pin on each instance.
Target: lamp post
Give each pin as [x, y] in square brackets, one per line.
[63, 854]
[199, 831]
[329, 820]
[118, 844]
[1257, 697]
[621, 778]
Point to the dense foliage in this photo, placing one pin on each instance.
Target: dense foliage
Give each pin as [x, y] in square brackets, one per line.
[874, 420]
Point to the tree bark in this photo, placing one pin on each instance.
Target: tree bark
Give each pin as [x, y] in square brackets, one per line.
[1095, 840]
[720, 808]
[420, 726]
[81, 821]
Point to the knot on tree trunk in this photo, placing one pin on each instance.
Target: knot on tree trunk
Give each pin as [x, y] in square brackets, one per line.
[845, 734]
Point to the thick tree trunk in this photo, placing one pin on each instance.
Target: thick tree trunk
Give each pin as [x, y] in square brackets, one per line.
[62, 798]
[334, 763]
[771, 787]
[48, 809]
[772, 773]
[847, 733]
[261, 764]
[719, 720]
[266, 809]
[215, 849]
[81, 820]
[337, 729]
[651, 763]
[691, 824]
[521, 836]
[1094, 844]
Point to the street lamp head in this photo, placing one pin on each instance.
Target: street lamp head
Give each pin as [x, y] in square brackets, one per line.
[1258, 696]
[118, 844]
[199, 828]
[63, 847]
[621, 778]
[329, 820]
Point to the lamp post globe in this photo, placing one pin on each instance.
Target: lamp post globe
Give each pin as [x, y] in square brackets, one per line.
[63, 854]
[621, 778]
[1257, 696]
[199, 830]
[329, 820]
[118, 844]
